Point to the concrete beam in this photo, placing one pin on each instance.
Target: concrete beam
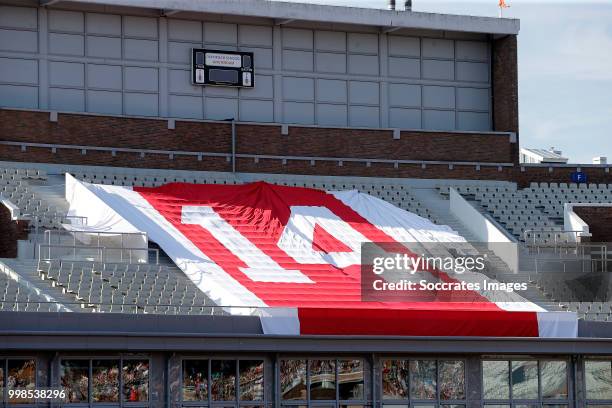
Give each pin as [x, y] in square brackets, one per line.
[169, 12]
[387, 30]
[280, 22]
[281, 10]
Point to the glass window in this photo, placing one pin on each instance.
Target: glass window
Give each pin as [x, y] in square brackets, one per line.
[75, 380]
[293, 379]
[598, 378]
[135, 380]
[195, 380]
[422, 379]
[496, 380]
[452, 380]
[322, 379]
[21, 374]
[251, 380]
[223, 380]
[553, 379]
[395, 379]
[105, 381]
[524, 379]
[350, 380]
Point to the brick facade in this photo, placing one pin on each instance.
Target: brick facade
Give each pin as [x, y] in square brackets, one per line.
[10, 232]
[505, 87]
[599, 220]
[252, 139]
[215, 137]
[557, 174]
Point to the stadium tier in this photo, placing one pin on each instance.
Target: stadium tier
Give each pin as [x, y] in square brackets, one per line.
[268, 204]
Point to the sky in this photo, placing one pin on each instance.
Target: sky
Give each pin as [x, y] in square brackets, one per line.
[565, 69]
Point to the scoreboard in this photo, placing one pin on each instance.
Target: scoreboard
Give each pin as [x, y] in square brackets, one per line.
[222, 68]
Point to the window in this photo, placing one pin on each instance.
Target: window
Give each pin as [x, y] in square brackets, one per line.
[336, 381]
[598, 379]
[350, 380]
[223, 380]
[322, 379]
[195, 380]
[98, 381]
[105, 381]
[293, 380]
[20, 375]
[251, 380]
[525, 383]
[425, 382]
[75, 380]
[135, 380]
[230, 381]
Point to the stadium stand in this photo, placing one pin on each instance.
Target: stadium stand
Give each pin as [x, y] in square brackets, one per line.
[90, 283]
[245, 288]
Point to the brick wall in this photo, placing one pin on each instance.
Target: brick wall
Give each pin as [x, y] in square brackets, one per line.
[505, 87]
[10, 232]
[599, 220]
[91, 130]
[560, 174]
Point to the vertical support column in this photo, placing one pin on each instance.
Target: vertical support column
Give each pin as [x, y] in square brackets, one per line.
[383, 57]
[163, 67]
[505, 89]
[43, 65]
[473, 382]
[277, 57]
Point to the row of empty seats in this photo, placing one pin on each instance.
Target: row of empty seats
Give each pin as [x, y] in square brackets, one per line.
[15, 297]
[15, 187]
[111, 286]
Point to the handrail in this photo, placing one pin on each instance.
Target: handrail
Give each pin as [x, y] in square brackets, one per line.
[135, 307]
[556, 233]
[102, 252]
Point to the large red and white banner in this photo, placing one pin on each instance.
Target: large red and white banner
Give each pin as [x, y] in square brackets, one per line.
[293, 255]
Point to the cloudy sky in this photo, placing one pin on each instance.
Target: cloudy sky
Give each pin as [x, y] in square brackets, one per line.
[565, 69]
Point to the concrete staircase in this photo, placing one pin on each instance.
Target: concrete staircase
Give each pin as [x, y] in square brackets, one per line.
[439, 207]
[26, 272]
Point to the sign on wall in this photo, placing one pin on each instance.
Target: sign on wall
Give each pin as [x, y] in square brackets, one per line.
[222, 68]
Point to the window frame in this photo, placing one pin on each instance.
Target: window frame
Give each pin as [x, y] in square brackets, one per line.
[308, 402]
[541, 402]
[412, 402]
[589, 402]
[4, 399]
[209, 402]
[122, 402]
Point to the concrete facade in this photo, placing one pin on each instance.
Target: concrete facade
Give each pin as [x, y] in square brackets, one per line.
[128, 61]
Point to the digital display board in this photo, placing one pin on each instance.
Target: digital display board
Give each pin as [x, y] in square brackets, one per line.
[222, 68]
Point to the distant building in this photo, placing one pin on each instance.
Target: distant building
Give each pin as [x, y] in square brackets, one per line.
[542, 156]
[600, 160]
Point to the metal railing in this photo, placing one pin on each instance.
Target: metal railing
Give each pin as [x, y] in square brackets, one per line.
[74, 235]
[569, 265]
[530, 237]
[98, 254]
[130, 308]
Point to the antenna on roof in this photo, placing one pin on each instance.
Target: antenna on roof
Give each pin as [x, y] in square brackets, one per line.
[391, 5]
[408, 5]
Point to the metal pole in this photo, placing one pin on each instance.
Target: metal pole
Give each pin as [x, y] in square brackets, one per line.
[233, 145]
